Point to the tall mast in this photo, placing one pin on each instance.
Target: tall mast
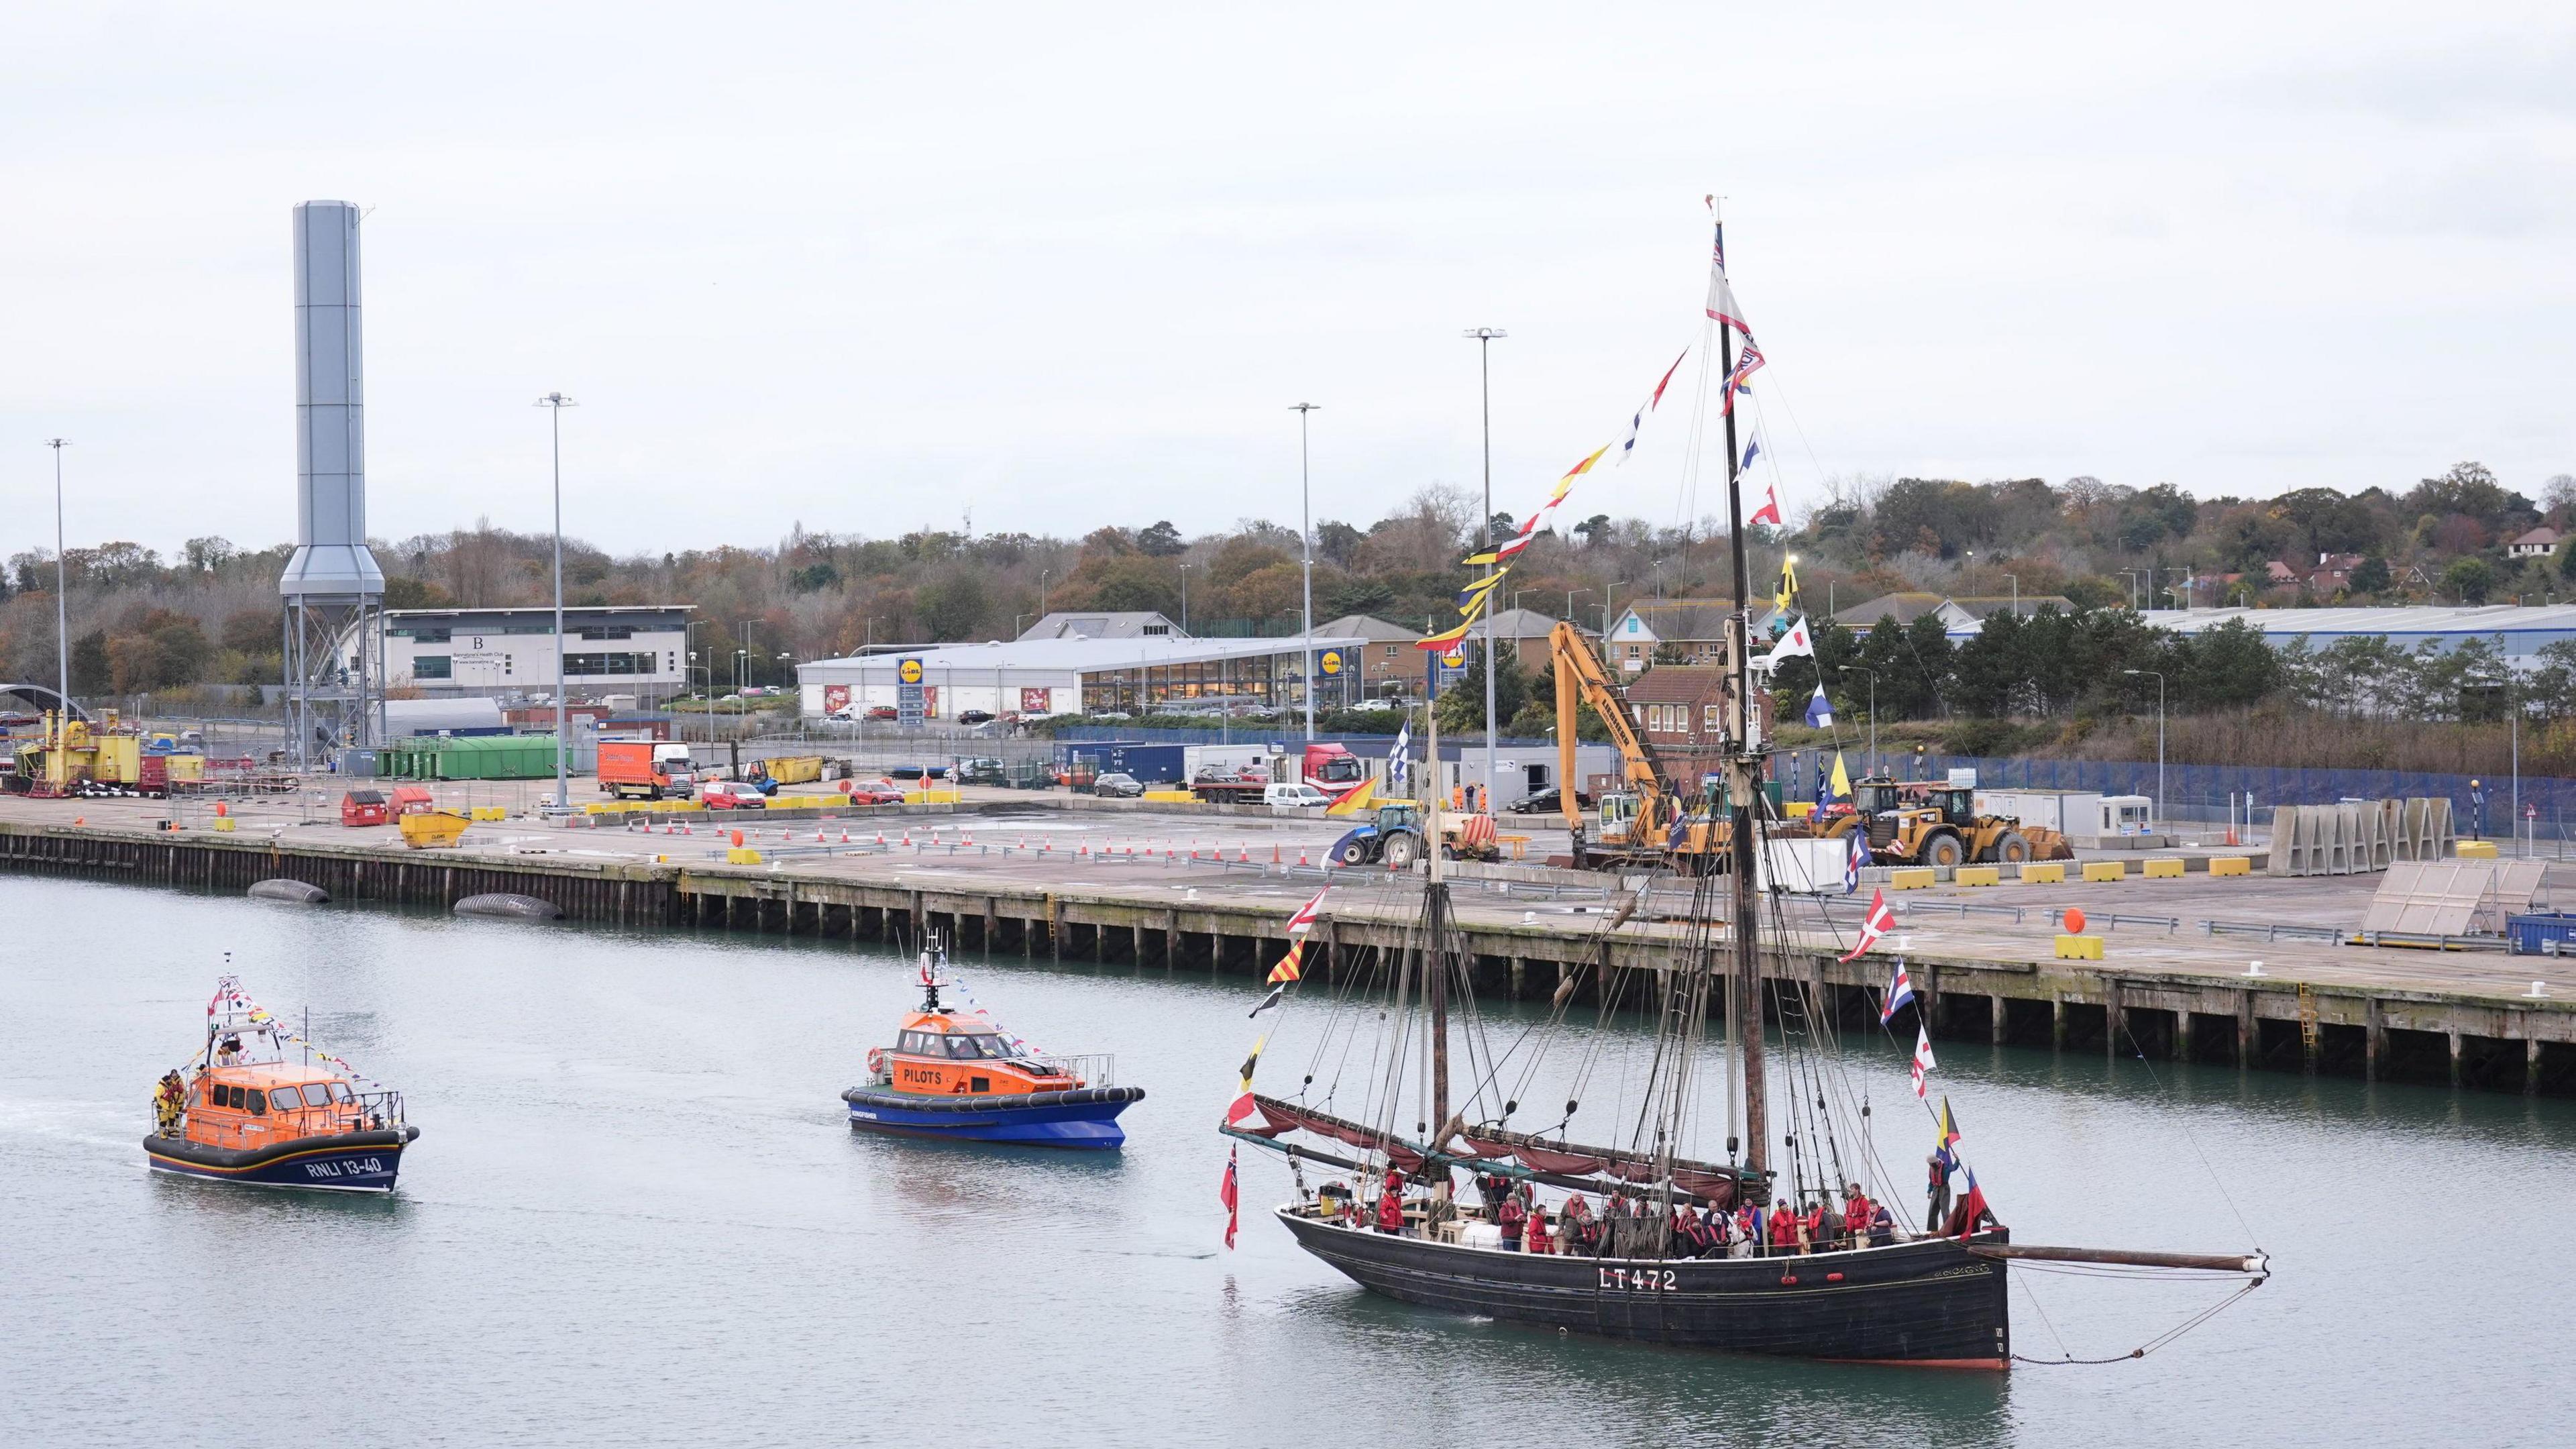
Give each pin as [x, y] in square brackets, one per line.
[1435, 966]
[1744, 991]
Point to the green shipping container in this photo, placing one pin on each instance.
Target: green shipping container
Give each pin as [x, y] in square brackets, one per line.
[494, 757]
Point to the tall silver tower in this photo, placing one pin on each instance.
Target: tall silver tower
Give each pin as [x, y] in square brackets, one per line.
[334, 593]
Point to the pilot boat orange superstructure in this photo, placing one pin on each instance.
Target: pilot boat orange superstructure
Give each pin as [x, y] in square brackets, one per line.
[261, 1105]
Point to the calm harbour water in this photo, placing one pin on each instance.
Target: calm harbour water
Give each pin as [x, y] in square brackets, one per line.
[637, 1215]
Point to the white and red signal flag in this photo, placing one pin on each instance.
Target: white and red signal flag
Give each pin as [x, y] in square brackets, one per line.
[1877, 923]
[1304, 921]
[1922, 1056]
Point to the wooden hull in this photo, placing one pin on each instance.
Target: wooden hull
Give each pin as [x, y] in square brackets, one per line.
[1930, 1303]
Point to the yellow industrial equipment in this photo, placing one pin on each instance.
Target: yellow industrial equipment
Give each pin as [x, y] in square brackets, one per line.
[1925, 822]
[69, 751]
[1645, 822]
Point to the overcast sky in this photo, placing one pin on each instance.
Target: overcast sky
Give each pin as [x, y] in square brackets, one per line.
[864, 268]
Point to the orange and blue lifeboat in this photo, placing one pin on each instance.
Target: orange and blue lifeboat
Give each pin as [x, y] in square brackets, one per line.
[258, 1107]
[954, 1073]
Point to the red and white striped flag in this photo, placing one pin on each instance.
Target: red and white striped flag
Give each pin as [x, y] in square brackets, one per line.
[1922, 1056]
[1304, 921]
[1874, 925]
[1769, 512]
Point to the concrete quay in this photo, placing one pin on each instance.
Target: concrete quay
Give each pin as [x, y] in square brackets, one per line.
[1013, 875]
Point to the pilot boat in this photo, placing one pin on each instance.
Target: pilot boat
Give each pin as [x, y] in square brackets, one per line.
[955, 1072]
[261, 1104]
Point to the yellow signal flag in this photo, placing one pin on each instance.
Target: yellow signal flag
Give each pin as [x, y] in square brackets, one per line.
[1842, 777]
[1356, 801]
[1288, 968]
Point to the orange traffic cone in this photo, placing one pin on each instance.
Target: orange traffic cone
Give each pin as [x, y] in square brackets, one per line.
[1274, 852]
[1301, 855]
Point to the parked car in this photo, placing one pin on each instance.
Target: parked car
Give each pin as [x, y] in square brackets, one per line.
[981, 772]
[873, 793]
[1544, 802]
[732, 795]
[1294, 797]
[1117, 786]
[1113, 714]
[975, 716]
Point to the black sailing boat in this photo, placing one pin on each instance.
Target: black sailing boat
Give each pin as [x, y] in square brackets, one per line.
[1931, 1298]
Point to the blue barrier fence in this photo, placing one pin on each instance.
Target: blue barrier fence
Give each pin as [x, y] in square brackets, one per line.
[2191, 792]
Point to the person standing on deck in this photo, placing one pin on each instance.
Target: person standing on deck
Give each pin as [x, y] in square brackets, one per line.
[1535, 1235]
[1856, 1215]
[1390, 1207]
[1825, 1226]
[1509, 1216]
[1786, 1232]
[1936, 1192]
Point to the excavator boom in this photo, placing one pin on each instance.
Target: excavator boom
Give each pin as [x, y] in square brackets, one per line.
[1580, 679]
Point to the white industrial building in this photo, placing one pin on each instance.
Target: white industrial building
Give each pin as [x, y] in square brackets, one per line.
[1034, 677]
[2518, 630]
[639, 650]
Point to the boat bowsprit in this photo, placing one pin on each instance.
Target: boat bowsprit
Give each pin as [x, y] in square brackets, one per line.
[955, 1072]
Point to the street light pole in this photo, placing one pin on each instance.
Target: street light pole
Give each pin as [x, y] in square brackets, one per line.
[554, 403]
[62, 613]
[2016, 595]
[1484, 339]
[2160, 739]
[1605, 615]
[1185, 600]
[1873, 713]
[1306, 538]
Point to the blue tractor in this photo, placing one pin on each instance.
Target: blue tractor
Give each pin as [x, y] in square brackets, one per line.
[1394, 839]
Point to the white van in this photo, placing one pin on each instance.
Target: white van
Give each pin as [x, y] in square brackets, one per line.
[1294, 797]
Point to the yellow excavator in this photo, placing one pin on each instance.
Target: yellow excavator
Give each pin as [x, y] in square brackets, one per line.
[1644, 823]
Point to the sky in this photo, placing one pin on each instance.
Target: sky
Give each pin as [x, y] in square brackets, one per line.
[868, 269]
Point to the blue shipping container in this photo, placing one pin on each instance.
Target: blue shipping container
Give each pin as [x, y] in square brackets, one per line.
[2544, 935]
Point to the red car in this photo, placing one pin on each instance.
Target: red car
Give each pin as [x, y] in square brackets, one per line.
[876, 794]
[731, 795]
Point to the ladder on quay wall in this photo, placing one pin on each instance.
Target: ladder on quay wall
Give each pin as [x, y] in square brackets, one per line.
[2307, 1020]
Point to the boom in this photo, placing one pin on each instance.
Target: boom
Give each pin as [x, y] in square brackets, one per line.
[1580, 678]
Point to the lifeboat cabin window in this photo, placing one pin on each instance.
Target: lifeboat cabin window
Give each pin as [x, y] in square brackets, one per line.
[258, 1101]
[285, 1099]
[966, 1048]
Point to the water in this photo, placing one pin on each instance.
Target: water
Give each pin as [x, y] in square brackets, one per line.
[636, 1215]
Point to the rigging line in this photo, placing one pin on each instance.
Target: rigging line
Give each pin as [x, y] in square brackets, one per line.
[2157, 1342]
[2182, 1121]
[2064, 1353]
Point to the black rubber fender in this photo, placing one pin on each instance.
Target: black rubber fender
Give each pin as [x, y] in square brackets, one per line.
[990, 1101]
[294, 892]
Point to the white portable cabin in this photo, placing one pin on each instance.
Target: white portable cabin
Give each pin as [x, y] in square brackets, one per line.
[2076, 814]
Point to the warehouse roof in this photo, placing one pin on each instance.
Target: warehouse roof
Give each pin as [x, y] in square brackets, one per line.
[1080, 655]
[2399, 621]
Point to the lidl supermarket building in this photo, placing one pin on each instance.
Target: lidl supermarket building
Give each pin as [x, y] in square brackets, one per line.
[1032, 677]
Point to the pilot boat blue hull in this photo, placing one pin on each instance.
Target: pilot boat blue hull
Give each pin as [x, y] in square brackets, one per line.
[342, 1162]
[1086, 1117]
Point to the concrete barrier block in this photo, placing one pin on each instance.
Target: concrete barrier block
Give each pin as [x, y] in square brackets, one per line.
[2231, 865]
[2079, 948]
[741, 855]
[2052, 872]
[2105, 870]
[2475, 850]
[2166, 868]
[1910, 878]
[1977, 875]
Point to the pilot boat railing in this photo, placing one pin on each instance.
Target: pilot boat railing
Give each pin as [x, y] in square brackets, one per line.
[1096, 1069]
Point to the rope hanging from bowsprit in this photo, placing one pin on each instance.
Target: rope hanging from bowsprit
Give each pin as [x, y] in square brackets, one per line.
[2159, 1341]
